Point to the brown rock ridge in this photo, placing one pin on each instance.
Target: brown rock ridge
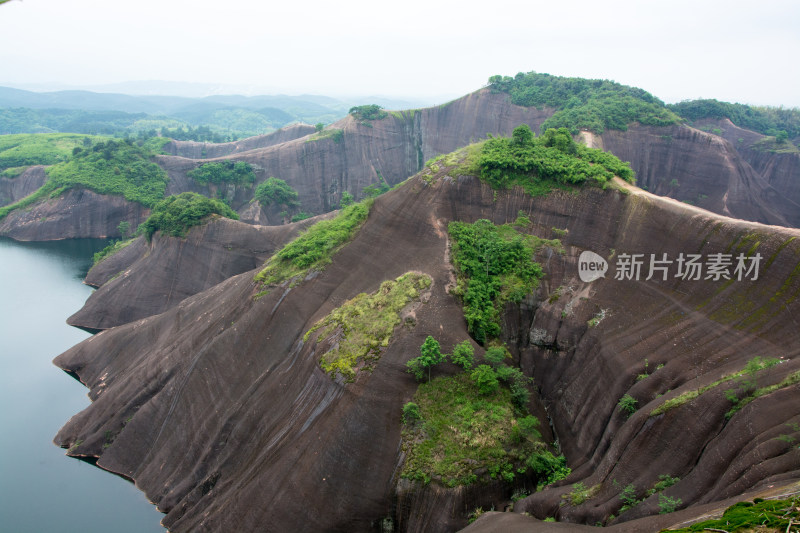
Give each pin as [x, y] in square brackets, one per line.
[780, 169]
[202, 150]
[678, 161]
[147, 278]
[701, 169]
[221, 415]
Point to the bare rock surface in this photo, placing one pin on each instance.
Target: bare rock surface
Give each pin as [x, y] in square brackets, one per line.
[14, 189]
[147, 278]
[220, 413]
[78, 213]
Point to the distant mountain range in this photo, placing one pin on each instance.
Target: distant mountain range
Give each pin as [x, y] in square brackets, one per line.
[24, 111]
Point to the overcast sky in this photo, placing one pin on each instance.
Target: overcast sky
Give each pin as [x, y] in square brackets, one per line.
[730, 50]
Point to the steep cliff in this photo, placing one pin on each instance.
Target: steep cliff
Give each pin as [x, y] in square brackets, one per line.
[221, 414]
[13, 189]
[147, 278]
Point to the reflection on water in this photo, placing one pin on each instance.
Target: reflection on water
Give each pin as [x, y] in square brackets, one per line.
[41, 490]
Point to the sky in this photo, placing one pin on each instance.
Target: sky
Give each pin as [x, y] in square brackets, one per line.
[435, 49]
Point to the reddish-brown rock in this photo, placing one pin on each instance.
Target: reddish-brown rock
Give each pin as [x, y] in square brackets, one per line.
[221, 414]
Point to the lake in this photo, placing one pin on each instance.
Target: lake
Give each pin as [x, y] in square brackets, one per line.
[42, 490]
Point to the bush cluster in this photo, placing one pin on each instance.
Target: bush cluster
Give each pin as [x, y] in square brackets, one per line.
[174, 215]
[584, 104]
[236, 172]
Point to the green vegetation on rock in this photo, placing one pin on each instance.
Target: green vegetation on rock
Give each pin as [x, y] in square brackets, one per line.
[368, 112]
[121, 168]
[313, 249]
[464, 436]
[363, 326]
[110, 250]
[236, 172]
[584, 104]
[278, 192]
[766, 120]
[473, 426]
[550, 161]
[335, 134]
[21, 151]
[774, 515]
[494, 266]
[174, 215]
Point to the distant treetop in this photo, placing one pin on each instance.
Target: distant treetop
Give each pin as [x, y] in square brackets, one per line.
[368, 112]
[584, 104]
[765, 120]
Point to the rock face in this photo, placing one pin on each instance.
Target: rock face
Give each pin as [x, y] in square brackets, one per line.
[222, 416]
[14, 189]
[780, 168]
[202, 150]
[693, 166]
[393, 148]
[701, 169]
[78, 213]
[147, 278]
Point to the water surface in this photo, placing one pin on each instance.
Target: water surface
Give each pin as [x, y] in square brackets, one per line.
[42, 490]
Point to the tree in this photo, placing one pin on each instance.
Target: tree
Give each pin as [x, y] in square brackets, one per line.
[463, 355]
[495, 355]
[124, 228]
[319, 126]
[276, 191]
[347, 199]
[485, 378]
[430, 355]
[522, 135]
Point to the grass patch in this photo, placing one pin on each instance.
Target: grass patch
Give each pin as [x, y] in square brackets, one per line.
[463, 436]
[760, 515]
[313, 249]
[580, 494]
[331, 133]
[23, 150]
[788, 381]
[363, 325]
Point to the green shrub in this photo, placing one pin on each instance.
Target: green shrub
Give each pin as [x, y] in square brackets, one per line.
[302, 215]
[485, 379]
[667, 504]
[237, 172]
[548, 467]
[276, 191]
[463, 355]
[174, 215]
[627, 404]
[411, 413]
[346, 200]
[495, 355]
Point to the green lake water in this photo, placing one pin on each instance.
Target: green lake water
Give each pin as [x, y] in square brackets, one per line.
[42, 490]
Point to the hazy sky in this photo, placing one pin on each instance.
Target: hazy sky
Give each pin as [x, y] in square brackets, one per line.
[730, 50]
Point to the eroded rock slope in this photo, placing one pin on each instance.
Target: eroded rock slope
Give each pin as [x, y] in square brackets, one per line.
[222, 416]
